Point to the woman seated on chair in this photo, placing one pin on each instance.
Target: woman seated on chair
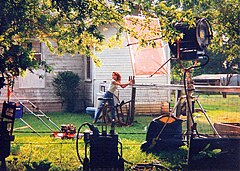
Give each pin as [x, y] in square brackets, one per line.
[112, 89]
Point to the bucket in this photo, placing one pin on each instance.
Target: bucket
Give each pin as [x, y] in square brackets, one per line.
[91, 111]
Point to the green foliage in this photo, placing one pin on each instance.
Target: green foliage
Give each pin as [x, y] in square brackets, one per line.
[48, 153]
[43, 165]
[15, 164]
[207, 153]
[62, 153]
[16, 20]
[75, 27]
[15, 149]
[66, 86]
[44, 153]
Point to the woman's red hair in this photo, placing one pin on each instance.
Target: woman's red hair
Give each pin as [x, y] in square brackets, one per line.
[119, 77]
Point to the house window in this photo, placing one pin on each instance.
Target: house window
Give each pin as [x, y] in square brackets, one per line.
[88, 68]
[37, 49]
[32, 80]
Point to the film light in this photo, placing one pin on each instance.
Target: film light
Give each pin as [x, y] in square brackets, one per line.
[195, 40]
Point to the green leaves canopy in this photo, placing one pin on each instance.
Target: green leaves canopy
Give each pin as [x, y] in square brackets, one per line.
[224, 16]
[71, 24]
[74, 25]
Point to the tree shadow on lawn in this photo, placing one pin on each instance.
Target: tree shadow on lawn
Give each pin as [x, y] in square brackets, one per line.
[173, 159]
[217, 154]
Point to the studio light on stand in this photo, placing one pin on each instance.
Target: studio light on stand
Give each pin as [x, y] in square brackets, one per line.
[191, 46]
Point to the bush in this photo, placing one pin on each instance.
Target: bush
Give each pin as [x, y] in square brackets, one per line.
[66, 86]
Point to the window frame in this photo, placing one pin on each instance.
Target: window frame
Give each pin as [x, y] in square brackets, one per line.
[32, 80]
[87, 69]
[37, 50]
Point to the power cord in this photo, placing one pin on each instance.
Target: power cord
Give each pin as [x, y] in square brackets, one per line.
[93, 129]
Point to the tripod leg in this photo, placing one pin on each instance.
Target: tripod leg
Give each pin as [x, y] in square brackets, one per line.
[208, 119]
[176, 105]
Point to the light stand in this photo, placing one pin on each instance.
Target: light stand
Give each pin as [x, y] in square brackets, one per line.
[190, 100]
[6, 129]
[201, 146]
[189, 104]
[191, 47]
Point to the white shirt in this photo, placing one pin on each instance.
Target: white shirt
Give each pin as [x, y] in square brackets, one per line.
[112, 87]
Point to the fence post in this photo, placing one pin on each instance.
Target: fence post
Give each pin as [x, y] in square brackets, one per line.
[133, 97]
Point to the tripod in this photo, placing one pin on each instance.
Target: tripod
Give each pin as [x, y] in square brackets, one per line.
[190, 100]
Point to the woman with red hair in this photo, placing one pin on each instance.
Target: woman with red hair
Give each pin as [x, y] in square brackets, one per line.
[113, 87]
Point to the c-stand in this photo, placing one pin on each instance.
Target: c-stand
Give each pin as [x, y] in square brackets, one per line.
[189, 101]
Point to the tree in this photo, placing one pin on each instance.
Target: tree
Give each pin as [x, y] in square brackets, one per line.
[224, 50]
[224, 16]
[72, 24]
[75, 26]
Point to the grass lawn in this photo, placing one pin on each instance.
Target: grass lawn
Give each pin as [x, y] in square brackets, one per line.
[29, 149]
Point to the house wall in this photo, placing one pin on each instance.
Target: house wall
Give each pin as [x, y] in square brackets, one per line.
[88, 94]
[40, 91]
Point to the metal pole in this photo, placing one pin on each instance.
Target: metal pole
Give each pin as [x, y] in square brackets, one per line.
[189, 104]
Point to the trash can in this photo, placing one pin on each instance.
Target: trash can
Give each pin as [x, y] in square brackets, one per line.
[19, 110]
[98, 95]
[91, 111]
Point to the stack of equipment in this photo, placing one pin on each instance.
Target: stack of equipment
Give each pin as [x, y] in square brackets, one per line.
[103, 150]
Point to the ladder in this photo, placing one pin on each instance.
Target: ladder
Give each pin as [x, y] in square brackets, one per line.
[40, 116]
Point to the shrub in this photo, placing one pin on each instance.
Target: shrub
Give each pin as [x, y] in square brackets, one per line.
[66, 86]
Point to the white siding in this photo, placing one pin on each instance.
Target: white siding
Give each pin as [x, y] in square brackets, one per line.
[44, 97]
[115, 59]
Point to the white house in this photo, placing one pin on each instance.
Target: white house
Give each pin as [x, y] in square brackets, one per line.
[41, 91]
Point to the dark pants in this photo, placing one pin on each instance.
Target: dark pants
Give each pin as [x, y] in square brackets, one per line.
[110, 103]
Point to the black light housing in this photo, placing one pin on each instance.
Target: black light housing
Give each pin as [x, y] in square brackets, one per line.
[195, 40]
